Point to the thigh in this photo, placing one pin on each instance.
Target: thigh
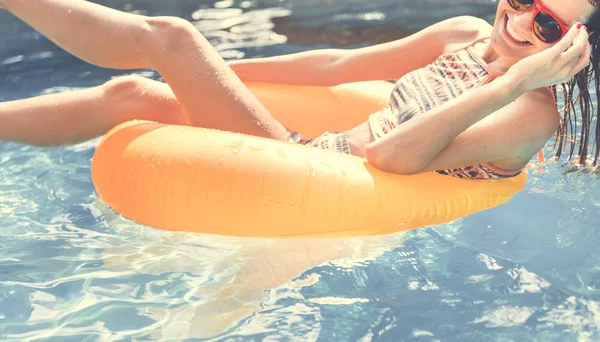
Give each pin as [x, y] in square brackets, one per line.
[206, 87]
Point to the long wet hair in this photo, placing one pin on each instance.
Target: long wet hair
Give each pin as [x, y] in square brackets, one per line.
[567, 140]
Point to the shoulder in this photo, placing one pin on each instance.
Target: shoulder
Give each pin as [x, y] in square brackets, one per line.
[465, 23]
[540, 104]
[543, 102]
[460, 31]
[537, 114]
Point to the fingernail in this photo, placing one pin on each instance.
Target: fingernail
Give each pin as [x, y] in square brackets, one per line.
[585, 27]
[579, 25]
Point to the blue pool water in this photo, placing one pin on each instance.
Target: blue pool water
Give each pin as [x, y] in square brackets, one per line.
[71, 270]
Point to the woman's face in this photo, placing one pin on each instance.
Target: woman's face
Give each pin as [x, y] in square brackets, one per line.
[510, 23]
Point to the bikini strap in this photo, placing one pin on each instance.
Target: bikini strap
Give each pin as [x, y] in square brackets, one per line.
[551, 93]
[476, 41]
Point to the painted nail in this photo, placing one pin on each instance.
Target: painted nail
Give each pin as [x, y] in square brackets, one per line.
[579, 25]
[585, 27]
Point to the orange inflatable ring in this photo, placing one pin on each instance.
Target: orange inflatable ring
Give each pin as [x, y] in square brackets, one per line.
[200, 180]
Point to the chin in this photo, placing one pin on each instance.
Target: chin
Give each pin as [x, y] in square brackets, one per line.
[501, 49]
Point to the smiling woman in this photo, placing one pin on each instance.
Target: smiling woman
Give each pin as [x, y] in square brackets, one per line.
[539, 23]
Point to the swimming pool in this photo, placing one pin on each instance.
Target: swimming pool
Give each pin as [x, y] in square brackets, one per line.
[71, 270]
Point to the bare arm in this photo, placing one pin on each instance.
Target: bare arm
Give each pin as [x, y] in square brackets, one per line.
[446, 137]
[303, 68]
[379, 62]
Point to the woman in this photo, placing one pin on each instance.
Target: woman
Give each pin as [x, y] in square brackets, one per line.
[472, 100]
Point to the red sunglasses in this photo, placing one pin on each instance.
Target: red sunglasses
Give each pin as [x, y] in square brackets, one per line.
[547, 27]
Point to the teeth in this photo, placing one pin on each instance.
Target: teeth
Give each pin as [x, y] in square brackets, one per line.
[511, 31]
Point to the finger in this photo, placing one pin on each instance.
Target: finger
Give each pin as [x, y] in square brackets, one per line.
[583, 61]
[579, 44]
[566, 41]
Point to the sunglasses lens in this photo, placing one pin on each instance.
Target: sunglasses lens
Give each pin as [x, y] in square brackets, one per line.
[521, 5]
[547, 28]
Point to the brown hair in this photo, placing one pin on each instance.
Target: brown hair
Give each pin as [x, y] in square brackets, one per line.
[566, 135]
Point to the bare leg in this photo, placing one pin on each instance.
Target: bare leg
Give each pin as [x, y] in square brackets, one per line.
[209, 92]
[80, 115]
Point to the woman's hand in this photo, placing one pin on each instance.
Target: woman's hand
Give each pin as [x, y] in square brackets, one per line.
[557, 64]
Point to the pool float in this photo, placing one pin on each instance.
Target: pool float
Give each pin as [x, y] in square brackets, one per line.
[201, 180]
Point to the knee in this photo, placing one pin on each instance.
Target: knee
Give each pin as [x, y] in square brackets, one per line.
[144, 98]
[171, 33]
[126, 88]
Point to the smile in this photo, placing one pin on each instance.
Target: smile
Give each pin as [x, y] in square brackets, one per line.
[513, 35]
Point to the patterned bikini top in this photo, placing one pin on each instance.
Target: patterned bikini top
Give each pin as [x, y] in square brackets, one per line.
[449, 76]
